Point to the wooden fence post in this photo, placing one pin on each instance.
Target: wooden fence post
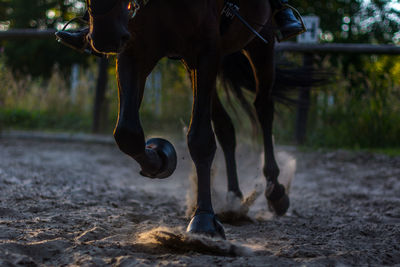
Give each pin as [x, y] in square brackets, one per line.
[99, 107]
[303, 105]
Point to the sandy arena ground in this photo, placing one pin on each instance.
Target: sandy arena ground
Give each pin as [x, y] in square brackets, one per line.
[64, 203]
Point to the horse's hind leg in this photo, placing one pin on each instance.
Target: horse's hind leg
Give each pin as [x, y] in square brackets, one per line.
[225, 132]
[262, 59]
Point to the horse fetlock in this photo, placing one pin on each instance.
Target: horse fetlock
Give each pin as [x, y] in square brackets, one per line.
[206, 224]
[129, 141]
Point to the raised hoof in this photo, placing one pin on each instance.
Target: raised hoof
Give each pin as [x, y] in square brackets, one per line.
[167, 153]
[280, 206]
[206, 224]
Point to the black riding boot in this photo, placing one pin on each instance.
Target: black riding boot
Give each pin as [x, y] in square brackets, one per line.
[74, 39]
[77, 39]
[288, 25]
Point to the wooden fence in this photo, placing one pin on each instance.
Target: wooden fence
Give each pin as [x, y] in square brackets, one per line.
[308, 50]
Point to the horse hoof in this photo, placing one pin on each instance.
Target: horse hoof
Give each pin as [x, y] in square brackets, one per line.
[167, 153]
[280, 206]
[206, 224]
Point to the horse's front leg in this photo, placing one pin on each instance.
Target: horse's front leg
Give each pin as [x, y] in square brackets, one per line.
[157, 157]
[201, 140]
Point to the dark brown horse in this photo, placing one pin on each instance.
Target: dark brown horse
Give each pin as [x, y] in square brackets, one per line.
[189, 30]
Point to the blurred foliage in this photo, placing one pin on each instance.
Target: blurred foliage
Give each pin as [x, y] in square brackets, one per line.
[355, 21]
[35, 103]
[358, 109]
[38, 57]
[362, 109]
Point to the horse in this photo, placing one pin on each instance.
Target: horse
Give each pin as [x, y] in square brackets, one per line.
[190, 30]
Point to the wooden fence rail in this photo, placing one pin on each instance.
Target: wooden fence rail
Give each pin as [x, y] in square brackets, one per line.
[287, 46]
[339, 48]
[27, 34]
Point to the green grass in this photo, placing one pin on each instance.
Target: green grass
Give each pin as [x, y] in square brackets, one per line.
[392, 152]
[37, 104]
[44, 120]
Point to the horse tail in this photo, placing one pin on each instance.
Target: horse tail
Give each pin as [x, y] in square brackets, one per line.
[237, 74]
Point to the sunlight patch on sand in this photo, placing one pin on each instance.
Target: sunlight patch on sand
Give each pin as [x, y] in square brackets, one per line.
[179, 241]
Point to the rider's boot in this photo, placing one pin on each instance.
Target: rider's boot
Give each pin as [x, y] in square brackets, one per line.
[288, 25]
[77, 39]
[74, 39]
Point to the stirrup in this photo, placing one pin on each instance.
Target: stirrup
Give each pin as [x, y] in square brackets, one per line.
[297, 15]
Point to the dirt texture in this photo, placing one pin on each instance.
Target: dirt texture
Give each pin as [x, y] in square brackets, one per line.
[71, 203]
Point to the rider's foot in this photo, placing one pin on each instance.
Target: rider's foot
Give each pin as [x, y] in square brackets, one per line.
[288, 24]
[76, 40]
